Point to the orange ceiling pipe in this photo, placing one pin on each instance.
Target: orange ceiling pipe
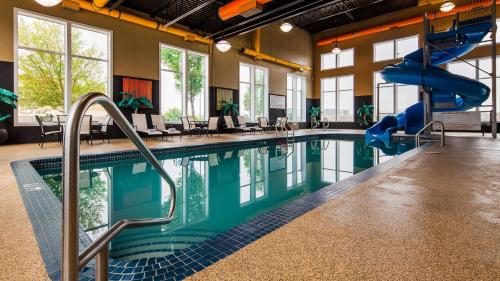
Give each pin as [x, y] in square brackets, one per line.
[401, 23]
[238, 7]
[99, 4]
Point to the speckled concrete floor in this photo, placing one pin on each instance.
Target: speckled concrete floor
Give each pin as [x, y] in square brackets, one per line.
[437, 217]
[19, 254]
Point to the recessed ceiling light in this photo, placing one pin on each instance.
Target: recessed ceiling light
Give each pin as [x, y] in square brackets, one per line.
[223, 46]
[48, 3]
[447, 6]
[286, 27]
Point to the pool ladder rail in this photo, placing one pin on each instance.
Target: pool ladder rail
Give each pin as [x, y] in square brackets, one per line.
[428, 126]
[72, 262]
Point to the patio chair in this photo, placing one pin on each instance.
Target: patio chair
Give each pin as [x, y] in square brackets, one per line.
[281, 123]
[45, 133]
[264, 124]
[189, 126]
[159, 125]
[141, 126]
[230, 125]
[243, 123]
[86, 129]
[103, 131]
[212, 127]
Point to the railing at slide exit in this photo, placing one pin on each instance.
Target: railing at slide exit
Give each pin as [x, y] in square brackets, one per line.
[427, 127]
[72, 262]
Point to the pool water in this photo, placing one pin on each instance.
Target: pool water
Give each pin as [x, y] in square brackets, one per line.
[215, 191]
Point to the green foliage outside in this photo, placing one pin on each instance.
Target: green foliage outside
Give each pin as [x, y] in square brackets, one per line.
[42, 75]
[172, 59]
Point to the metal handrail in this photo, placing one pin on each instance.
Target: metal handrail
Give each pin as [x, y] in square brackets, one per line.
[326, 123]
[72, 262]
[417, 136]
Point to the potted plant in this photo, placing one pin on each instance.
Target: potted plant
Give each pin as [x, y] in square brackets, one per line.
[229, 108]
[315, 112]
[9, 98]
[365, 115]
[130, 101]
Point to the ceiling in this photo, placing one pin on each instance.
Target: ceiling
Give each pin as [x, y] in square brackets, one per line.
[312, 15]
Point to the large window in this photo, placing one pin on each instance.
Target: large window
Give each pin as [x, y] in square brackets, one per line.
[394, 49]
[487, 38]
[337, 160]
[56, 62]
[296, 98]
[391, 98]
[337, 98]
[343, 59]
[184, 84]
[472, 69]
[253, 91]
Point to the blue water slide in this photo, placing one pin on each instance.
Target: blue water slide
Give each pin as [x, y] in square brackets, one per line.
[449, 92]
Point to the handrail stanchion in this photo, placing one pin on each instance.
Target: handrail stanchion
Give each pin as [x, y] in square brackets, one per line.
[417, 136]
[71, 261]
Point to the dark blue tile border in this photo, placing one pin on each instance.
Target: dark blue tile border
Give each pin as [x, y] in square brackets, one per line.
[44, 211]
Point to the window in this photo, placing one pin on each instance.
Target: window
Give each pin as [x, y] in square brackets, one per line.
[337, 160]
[392, 98]
[337, 98]
[471, 69]
[393, 49]
[343, 59]
[253, 91]
[184, 84]
[56, 62]
[296, 98]
[296, 166]
[253, 180]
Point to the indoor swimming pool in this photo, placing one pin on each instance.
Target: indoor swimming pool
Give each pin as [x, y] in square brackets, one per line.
[216, 191]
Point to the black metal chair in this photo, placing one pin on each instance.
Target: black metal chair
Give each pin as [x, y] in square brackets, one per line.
[45, 133]
[189, 126]
[86, 129]
[103, 131]
[212, 126]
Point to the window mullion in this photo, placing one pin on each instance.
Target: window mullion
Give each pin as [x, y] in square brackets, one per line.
[67, 73]
[184, 84]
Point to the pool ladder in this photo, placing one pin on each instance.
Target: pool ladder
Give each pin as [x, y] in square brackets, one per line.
[72, 262]
[425, 128]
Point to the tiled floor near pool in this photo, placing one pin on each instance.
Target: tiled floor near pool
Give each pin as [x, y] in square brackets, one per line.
[402, 224]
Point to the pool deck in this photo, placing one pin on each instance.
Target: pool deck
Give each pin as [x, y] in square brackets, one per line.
[417, 221]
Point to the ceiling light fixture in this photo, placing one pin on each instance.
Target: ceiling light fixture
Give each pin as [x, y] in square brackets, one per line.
[286, 27]
[336, 49]
[447, 6]
[223, 46]
[48, 3]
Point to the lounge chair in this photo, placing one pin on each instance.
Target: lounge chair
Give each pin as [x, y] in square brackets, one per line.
[212, 127]
[243, 123]
[230, 125]
[159, 125]
[141, 126]
[264, 124]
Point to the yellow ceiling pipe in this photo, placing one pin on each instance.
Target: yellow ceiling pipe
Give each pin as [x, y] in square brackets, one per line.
[261, 56]
[99, 4]
[94, 7]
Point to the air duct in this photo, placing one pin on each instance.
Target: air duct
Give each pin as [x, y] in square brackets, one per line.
[261, 56]
[245, 8]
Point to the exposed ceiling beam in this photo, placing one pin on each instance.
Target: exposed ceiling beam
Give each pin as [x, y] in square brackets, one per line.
[161, 9]
[329, 16]
[190, 12]
[287, 11]
[116, 4]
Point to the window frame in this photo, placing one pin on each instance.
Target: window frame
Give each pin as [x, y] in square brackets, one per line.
[303, 100]
[337, 60]
[68, 56]
[337, 96]
[184, 75]
[394, 47]
[253, 67]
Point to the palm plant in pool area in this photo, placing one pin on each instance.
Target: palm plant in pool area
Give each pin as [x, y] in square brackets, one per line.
[129, 101]
[229, 108]
[365, 115]
[9, 98]
[315, 112]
